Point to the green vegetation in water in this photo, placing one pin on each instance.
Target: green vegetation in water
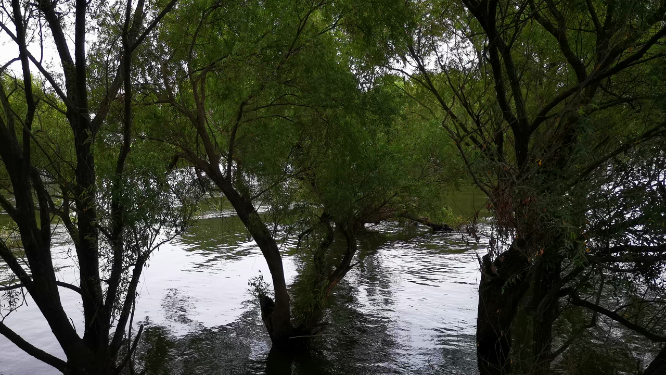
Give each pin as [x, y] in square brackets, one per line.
[258, 287]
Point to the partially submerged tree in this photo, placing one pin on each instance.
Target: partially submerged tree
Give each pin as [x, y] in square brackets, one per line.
[379, 164]
[69, 158]
[553, 107]
[261, 99]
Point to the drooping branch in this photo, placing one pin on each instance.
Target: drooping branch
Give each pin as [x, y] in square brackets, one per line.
[629, 144]
[31, 349]
[570, 341]
[59, 283]
[131, 351]
[39, 66]
[10, 62]
[428, 84]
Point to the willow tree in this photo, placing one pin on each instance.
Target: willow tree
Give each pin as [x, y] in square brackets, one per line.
[261, 98]
[557, 110]
[68, 159]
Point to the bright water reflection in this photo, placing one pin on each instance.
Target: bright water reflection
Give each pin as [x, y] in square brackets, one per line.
[408, 307]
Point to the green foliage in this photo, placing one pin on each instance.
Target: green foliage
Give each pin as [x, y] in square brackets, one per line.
[258, 287]
[280, 92]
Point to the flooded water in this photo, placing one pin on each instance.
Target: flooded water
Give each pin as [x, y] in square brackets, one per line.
[408, 307]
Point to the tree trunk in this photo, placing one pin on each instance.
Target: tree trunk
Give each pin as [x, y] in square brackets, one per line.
[503, 284]
[546, 310]
[82, 364]
[275, 314]
[279, 362]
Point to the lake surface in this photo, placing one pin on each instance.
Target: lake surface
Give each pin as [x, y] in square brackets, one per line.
[408, 307]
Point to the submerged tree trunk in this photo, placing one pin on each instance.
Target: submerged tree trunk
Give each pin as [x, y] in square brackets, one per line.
[388, 213]
[503, 284]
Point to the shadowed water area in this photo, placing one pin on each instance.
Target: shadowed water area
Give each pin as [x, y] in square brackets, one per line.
[408, 306]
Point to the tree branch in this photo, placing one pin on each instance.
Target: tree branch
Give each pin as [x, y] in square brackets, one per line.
[152, 25]
[31, 349]
[116, 342]
[559, 33]
[59, 283]
[569, 341]
[597, 76]
[40, 67]
[129, 354]
[574, 299]
[626, 146]
[7, 206]
[595, 19]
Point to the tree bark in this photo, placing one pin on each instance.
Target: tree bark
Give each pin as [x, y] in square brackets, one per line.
[503, 284]
[545, 311]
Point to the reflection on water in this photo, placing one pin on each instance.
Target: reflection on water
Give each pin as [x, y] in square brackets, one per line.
[409, 306]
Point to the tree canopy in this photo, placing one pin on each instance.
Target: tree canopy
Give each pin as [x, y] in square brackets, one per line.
[314, 118]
